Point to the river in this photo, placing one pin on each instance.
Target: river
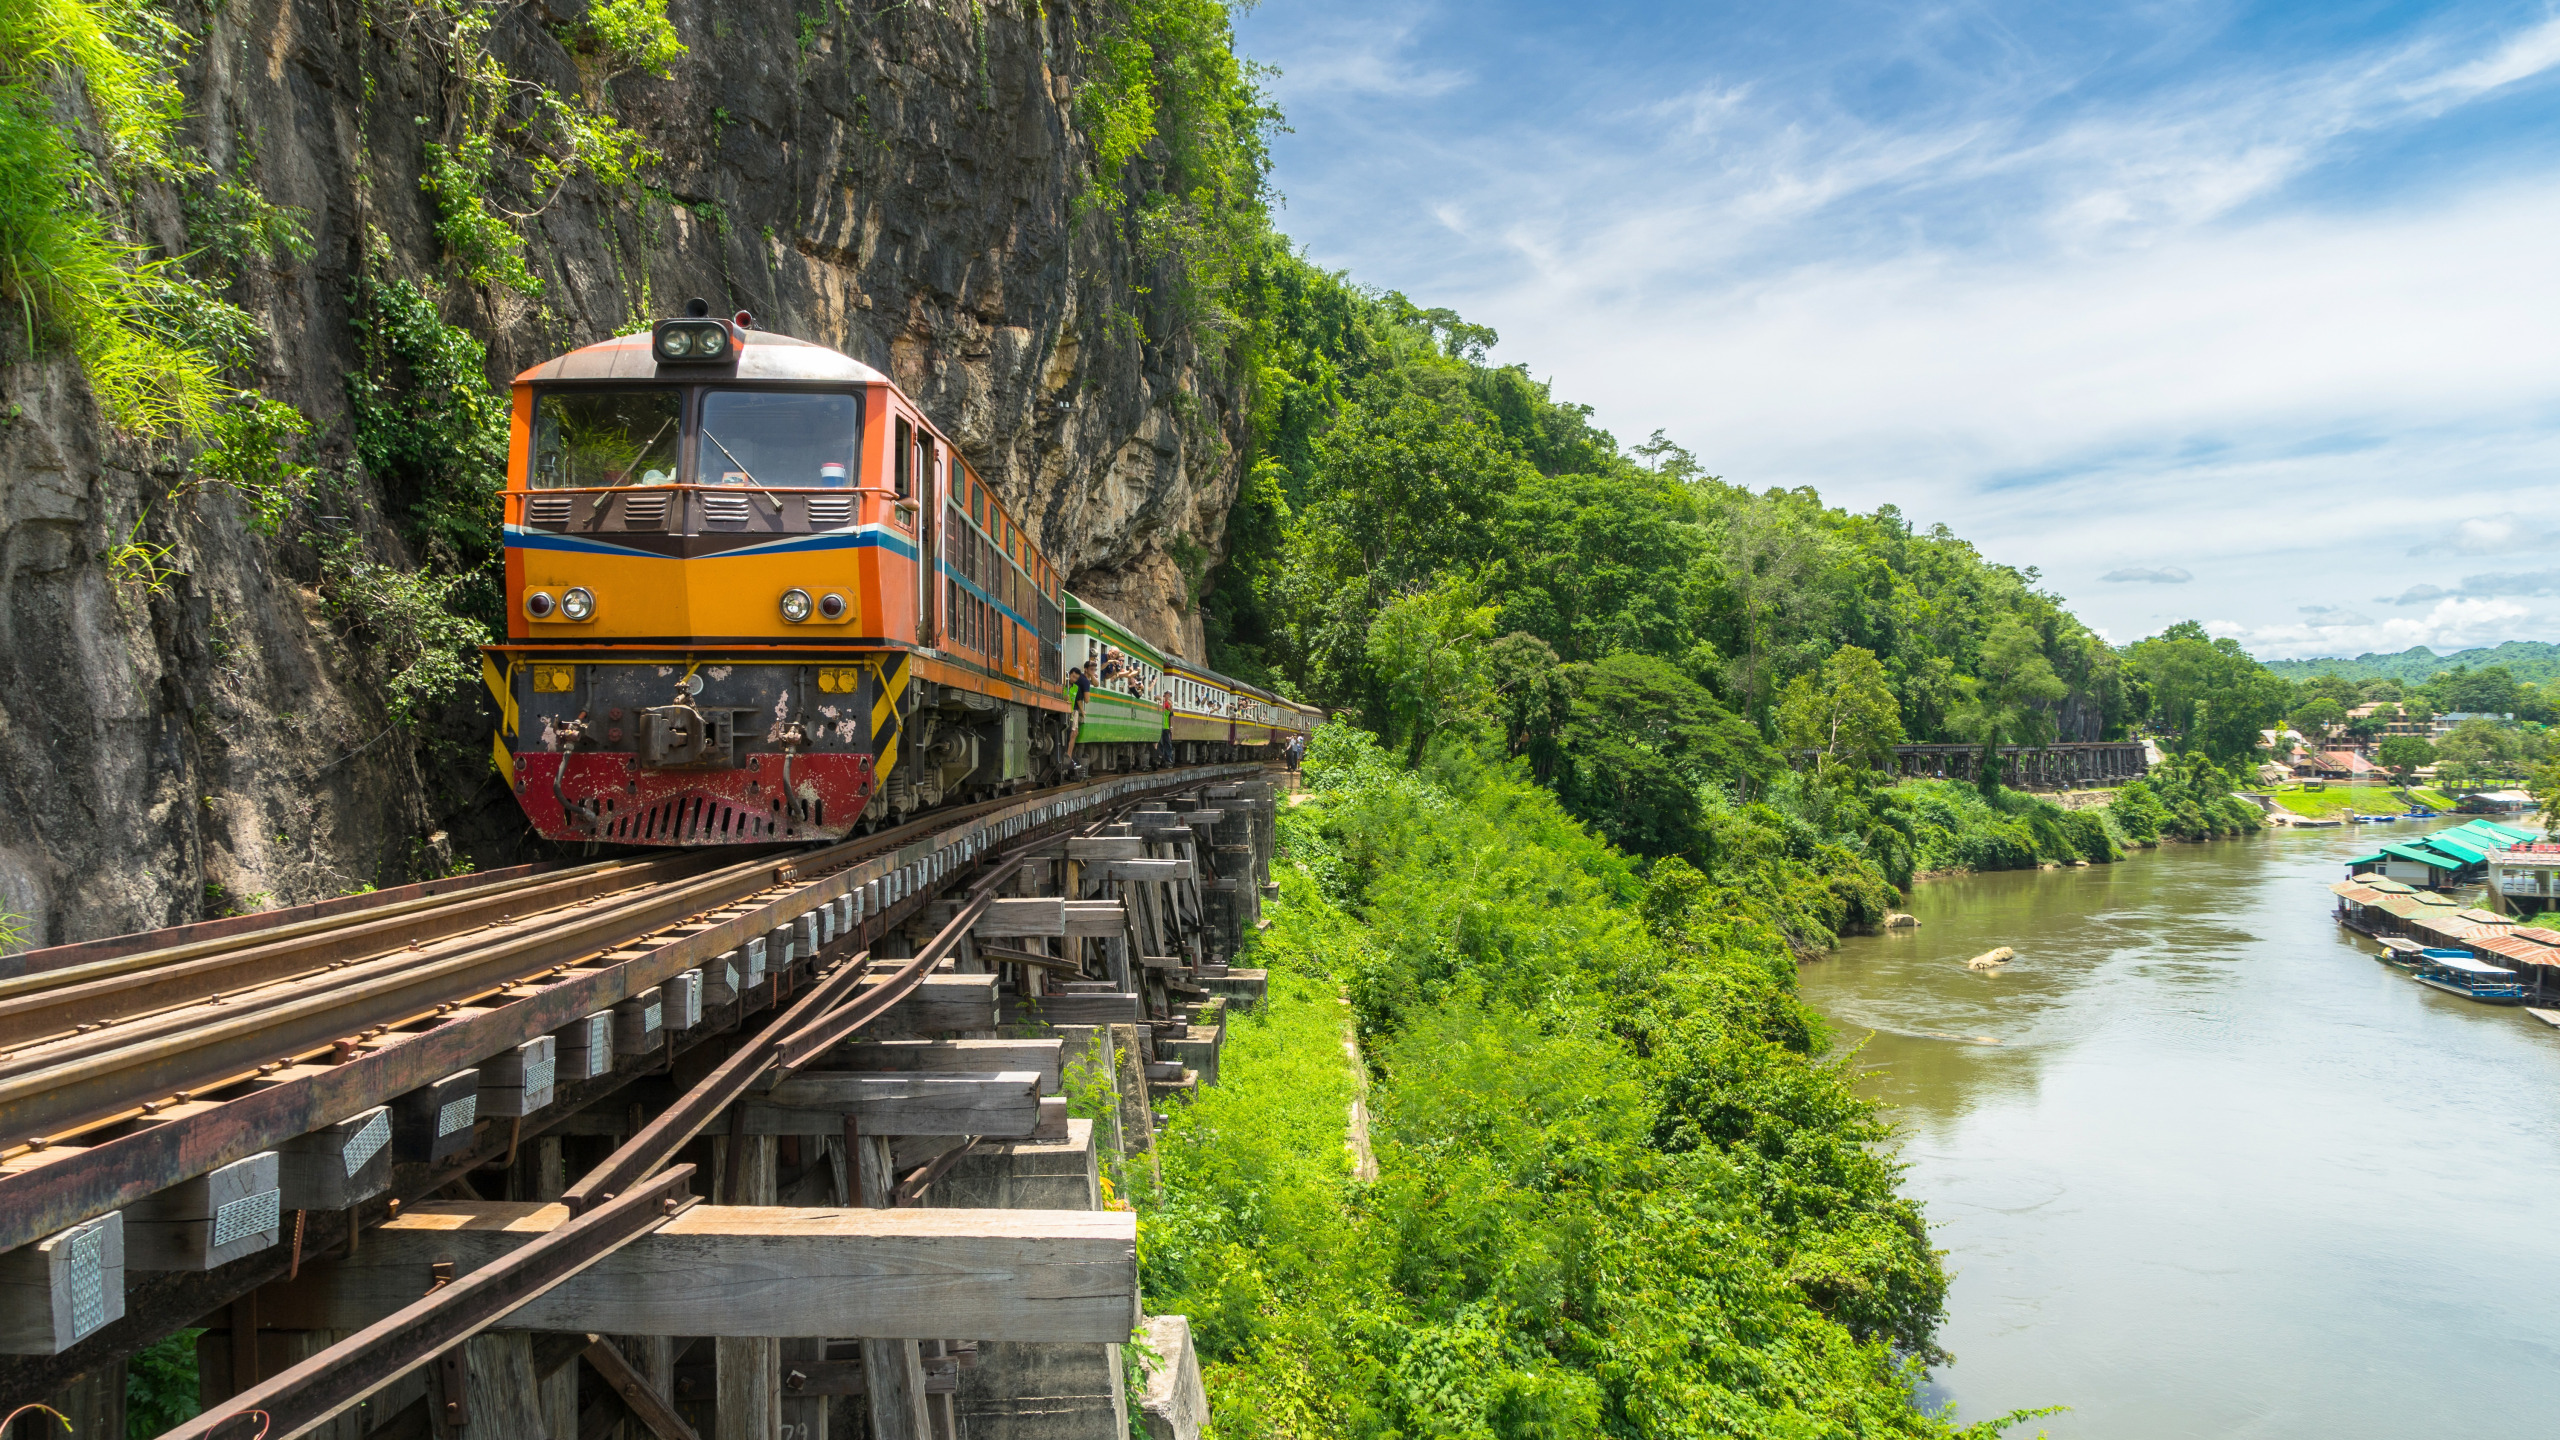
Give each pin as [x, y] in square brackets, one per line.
[2221, 1174]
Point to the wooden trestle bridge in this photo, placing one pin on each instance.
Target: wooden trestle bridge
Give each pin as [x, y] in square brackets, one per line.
[706, 1146]
[2067, 766]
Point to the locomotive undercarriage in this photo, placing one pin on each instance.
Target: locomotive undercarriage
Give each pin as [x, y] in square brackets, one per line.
[667, 751]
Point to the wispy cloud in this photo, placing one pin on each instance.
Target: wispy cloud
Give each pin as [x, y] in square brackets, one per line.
[2532, 583]
[2082, 314]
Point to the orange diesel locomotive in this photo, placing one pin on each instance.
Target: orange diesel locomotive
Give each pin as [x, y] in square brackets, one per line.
[754, 595]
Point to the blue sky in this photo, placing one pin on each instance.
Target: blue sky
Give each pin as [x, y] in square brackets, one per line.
[2249, 314]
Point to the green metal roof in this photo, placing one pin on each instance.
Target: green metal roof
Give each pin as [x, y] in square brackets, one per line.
[2373, 859]
[2505, 835]
[2432, 858]
[2471, 849]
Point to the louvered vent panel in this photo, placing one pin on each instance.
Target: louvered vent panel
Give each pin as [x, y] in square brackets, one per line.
[551, 512]
[644, 512]
[724, 509]
[827, 512]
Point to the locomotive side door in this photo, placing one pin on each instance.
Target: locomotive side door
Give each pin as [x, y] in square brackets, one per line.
[928, 540]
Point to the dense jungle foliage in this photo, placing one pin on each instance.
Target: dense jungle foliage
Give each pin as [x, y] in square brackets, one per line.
[1622, 1187]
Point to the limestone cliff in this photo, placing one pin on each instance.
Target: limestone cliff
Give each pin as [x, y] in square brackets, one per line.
[897, 180]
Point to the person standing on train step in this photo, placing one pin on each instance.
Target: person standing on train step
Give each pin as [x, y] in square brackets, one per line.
[1078, 686]
[1164, 745]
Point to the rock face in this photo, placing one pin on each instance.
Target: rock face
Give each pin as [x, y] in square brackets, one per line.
[898, 181]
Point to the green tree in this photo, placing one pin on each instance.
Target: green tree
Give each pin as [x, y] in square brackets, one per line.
[2316, 719]
[2207, 695]
[1845, 715]
[1533, 694]
[2007, 703]
[1427, 649]
[2478, 749]
[2403, 754]
[2545, 788]
[1643, 742]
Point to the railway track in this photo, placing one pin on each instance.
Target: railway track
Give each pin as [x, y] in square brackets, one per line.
[134, 1071]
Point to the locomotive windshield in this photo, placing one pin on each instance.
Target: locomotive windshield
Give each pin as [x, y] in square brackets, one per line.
[779, 439]
[595, 438]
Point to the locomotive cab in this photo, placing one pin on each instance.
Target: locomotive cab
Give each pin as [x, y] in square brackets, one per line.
[724, 621]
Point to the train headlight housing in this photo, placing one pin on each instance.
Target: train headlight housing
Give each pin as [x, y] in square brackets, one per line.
[795, 605]
[832, 607]
[554, 679]
[690, 341]
[578, 604]
[538, 605]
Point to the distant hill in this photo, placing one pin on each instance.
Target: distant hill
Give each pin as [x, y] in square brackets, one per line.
[2529, 660]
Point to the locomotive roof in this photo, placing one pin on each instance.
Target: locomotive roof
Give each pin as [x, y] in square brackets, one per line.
[762, 355]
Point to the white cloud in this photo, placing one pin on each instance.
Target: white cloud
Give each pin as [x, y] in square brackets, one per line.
[2454, 624]
[2165, 575]
[2490, 535]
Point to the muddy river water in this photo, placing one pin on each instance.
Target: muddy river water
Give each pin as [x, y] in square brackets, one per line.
[2203, 1168]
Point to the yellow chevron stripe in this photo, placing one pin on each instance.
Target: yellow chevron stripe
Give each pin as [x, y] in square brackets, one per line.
[884, 716]
[502, 688]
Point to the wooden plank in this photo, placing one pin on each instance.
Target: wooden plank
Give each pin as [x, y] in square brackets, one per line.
[982, 1056]
[1148, 871]
[338, 1165]
[1096, 917]
[1034, 915]
[1065, 1276]
[62, 1289]
[209, 1221]
[515, 1083]
[1105, 847]
[1121, 1009]
[943, 1002]
[1003, 1105]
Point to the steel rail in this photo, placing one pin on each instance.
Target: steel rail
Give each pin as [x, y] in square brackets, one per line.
[362, 1365]
[131, 987]
[54, 1091]
[77, 1017]
[101, 975]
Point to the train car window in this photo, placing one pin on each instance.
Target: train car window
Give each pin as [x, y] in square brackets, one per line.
[903, 456]
[779, 440]
[584, 438]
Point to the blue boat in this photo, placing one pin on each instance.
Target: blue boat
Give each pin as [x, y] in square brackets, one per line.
[2419, 812]
[2456, 973]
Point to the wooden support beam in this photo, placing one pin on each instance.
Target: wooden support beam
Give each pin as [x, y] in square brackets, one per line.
[1151, 871]
[1106, 847]
[209, 1221]
[1000, 1105]
[1035, 1275]
[945, 1056]
[339, 1165]
[1119, 1009]
[1096, 917]
[943, 1002]
[62, 1289]
[1035, 915]
[645, 1404]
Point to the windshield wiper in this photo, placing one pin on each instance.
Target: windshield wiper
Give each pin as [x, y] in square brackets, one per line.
[743, 470]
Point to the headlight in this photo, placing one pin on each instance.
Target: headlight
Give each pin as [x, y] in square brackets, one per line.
[537, 605]
[795, 605]
[578, 604]
[832, 607]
